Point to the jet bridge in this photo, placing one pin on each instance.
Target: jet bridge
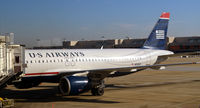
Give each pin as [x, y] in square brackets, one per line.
[12, 58]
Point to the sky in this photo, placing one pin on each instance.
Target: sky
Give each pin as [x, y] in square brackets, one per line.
[57, 20]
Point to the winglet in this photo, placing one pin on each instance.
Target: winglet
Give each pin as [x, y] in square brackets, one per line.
[165, 15]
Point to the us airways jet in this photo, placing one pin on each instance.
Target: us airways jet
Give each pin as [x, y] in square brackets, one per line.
[81, 70]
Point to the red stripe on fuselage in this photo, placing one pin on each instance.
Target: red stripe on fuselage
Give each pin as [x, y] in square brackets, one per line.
[44, 73]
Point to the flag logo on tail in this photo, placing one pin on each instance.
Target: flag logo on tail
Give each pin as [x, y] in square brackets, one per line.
[160, 34]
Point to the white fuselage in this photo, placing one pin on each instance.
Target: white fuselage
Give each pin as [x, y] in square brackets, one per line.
[51, 62]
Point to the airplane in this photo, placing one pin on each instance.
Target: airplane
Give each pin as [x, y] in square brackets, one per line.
[81, 70]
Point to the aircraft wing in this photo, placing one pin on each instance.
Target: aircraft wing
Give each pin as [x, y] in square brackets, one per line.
[144, 66]
[155, 65]
[102, 73]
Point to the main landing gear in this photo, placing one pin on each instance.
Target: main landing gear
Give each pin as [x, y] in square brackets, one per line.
[99, 89]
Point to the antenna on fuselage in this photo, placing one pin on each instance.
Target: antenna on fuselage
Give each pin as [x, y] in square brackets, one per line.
[103, 38]
[101, 47]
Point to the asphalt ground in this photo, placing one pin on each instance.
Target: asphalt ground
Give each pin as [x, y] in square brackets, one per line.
[174, 87]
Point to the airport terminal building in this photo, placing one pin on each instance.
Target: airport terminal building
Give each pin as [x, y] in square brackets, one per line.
[185, 44]
[175, 44]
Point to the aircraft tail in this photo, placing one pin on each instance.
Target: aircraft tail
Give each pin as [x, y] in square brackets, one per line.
[158, 36]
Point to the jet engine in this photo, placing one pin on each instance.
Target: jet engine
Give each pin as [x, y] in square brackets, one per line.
[74, 85]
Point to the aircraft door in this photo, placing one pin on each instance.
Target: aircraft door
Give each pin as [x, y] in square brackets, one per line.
[148, 59]
[151, 59]
[19, 60]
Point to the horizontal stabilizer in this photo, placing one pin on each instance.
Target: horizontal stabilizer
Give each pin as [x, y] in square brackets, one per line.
[181, 54]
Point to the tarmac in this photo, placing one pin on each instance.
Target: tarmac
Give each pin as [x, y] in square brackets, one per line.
[174, 87]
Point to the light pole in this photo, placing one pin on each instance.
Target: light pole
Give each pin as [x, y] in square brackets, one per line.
[38, 42]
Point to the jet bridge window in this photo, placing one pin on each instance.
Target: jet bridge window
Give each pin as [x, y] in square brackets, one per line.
[16, 59]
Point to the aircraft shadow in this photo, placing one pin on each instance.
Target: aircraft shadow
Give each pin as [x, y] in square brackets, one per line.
[47, 95]
[119, 87]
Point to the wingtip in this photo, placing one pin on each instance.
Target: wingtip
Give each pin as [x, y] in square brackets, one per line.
[165, 15]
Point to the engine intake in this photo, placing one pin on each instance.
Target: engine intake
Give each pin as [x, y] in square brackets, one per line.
[74, 85]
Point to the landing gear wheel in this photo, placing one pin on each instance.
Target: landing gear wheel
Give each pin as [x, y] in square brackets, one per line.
[99, 91]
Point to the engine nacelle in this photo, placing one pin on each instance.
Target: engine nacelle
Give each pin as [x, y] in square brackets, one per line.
[74, 85]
